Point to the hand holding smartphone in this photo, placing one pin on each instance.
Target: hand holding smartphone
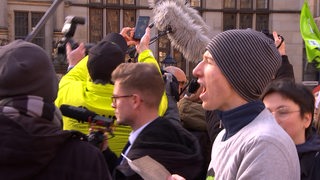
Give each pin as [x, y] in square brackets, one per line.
[141, 25]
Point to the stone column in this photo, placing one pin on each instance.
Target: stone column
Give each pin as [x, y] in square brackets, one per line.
[48, 34]
[3, 23]
[60, 16]
[3, 14]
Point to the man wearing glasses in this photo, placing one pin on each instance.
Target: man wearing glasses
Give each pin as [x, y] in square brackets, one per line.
[138, 89]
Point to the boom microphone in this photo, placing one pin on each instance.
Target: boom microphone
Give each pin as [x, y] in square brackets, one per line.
[84, 115]
[153, 3]
[185, 6]
[190, 34]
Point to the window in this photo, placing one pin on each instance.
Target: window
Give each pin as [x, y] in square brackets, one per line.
[21, 28]
[113, 20]
[39, 38]
[110, 16]
[195, 3]
[245, 17]
[262, 21]
[229, 4]
[243, 14]
[246, 4]
[262, 4]
[95, 1]
[132, 2]
[96, 26]
[229, 21]
[23, 24]
[245, 21]
[113, 1]
[129, 18]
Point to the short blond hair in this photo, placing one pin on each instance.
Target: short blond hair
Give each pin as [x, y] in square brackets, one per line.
[142, 77]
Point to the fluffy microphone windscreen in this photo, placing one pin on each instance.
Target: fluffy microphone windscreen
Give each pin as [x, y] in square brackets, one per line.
[194, 14]
[190, 34]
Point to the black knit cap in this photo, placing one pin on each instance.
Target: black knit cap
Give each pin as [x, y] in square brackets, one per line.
[248, 59]
[26, 69]
[118, 39]
[106, 56]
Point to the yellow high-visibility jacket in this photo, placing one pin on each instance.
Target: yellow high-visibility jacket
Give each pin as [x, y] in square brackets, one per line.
[77, 89]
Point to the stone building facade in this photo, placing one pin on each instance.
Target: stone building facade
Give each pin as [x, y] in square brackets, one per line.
[19, 17]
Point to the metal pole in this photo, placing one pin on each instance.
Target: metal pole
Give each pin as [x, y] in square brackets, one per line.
[43, 20]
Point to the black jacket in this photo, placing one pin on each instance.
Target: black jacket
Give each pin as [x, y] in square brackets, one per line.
[170, 144]
[33, 148]
[309, 156]
[285, 70]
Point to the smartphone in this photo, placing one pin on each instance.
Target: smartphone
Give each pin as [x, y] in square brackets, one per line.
[142, 24]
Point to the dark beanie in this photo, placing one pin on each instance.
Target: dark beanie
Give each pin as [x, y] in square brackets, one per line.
[248, 59]
[106, 56]
[26, 69]
[118, 39]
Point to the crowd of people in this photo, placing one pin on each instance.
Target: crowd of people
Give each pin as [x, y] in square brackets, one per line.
[242, 115]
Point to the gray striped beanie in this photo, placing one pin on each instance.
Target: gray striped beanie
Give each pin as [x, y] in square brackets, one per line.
[248, 59]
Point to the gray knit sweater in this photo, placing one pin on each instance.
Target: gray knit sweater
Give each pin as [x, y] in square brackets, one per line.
[260, 150]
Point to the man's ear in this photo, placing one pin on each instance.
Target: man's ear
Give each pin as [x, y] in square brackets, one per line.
[136, 100]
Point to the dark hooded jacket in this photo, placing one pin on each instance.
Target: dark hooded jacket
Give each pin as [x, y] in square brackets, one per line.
[35, 148]
[309, 156]
[171, 145]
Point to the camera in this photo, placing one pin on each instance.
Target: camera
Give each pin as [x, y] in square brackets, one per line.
[96, 138]
[68, 30]
[82, 115]
[193, 86]
[270, 35]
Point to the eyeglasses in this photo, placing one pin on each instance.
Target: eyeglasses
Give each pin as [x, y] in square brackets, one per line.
[115, 97]
[283, 113]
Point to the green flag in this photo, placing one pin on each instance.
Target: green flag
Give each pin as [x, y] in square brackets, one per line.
[310, 34]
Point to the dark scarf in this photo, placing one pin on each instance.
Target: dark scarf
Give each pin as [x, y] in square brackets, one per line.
[30, 136]
[235, 119]
[311, 144]
[32, 106]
